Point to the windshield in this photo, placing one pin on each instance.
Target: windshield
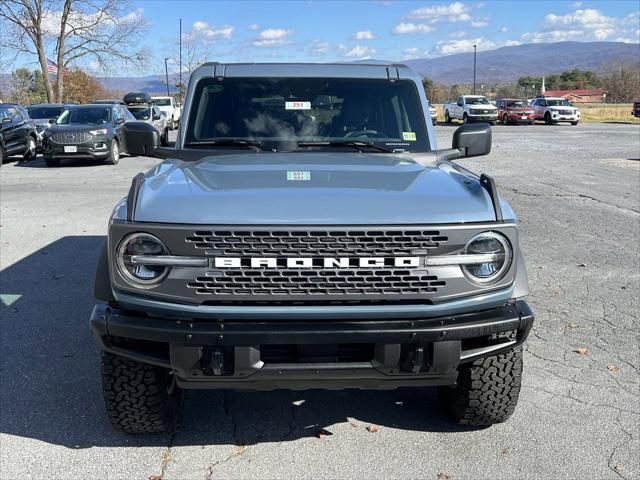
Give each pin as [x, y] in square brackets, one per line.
[557, 103]
[44, 112]
[95, 115]
[162, 102]
[291, 110]
[476, 101]
[140, 113]
[517, 103]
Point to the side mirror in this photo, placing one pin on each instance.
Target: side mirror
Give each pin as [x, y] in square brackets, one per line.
[156, 116]
[51, 120]
[119, 121]
[6, 121]
[141, 138]
[472, 140]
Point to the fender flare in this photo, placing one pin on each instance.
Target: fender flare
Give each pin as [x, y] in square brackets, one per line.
[102, 283]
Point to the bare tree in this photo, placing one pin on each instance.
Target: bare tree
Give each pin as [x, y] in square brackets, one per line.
[103, 32]
[621, 81]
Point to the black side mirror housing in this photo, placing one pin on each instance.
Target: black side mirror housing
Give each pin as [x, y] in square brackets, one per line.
[141, 138]
[51, 121]
[6, 121]
[472, 140]
[119, 121]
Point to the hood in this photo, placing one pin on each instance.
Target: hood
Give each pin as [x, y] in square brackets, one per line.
[308, 188]
[483, 107]
[520, 109]
[76, 127]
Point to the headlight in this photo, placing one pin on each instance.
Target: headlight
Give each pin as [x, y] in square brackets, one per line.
[494, 248]
[101, 132]
[135, 270]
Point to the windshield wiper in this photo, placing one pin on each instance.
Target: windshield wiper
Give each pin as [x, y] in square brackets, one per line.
[231, 142]
[357, 144]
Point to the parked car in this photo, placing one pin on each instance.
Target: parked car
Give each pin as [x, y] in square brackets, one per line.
[42, 115]
[170, 108]
[635, 109]
[306, 232]
[515, 110]
[17, 132]
[91, 131]
[553, 110]
[469, 109]
[433, 113]
[141, 107]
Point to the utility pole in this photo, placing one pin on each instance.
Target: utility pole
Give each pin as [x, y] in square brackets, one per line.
[474, 68]
[166, 74]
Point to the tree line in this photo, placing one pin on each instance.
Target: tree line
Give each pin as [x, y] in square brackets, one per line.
[620, 81]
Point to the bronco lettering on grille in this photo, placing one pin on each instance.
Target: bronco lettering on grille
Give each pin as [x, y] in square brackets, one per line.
[315, 262]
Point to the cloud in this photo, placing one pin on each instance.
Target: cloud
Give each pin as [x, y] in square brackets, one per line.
[203, 30]
[411, 28]
[364, 35]
[86, 23]
[584, 25]
[253, 27]
[576, 5]
[359, 51]
[504, 29]
[458, 34]
[319, 48]
[272, 37]
[484, 22]
[451, 47]
[453, 12]
[411, 52]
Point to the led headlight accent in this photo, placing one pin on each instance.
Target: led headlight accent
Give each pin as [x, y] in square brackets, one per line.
[141, 274]
[490, 245]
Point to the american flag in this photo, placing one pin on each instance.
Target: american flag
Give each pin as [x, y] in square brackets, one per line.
[52, 67]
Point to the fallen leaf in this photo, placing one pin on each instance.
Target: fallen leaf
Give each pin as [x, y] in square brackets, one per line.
[372, 428]
[618, 468]
[155, 477]
[323, 433]
[582, 265]
[612, 368]
[504, 451]
[445, 476]
[581, 350]
[353, 424]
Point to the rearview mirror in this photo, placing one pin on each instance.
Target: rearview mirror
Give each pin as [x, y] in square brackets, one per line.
[141, 138]
[472, 140]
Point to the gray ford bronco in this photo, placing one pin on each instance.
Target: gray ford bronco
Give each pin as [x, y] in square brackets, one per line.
[306, 232]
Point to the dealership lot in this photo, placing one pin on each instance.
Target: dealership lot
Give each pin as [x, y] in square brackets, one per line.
[577, 192]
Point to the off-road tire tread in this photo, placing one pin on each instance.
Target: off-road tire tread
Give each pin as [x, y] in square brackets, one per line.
[487, 390]
[136, 398]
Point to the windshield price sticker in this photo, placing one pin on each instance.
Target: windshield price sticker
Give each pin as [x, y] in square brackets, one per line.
[298, 176]
[297, 105]
[409, 136]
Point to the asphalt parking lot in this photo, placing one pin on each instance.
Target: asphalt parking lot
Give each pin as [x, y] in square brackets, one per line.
[577, 192]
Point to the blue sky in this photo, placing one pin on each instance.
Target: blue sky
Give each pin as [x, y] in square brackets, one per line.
[330, 30]
[326, 30]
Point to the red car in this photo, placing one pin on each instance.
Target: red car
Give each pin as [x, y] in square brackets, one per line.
[515, 110]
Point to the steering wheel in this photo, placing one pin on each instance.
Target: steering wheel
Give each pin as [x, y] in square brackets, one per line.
[374, 133]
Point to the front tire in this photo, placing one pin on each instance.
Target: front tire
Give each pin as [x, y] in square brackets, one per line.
[30, 152]
[164, 138]
[505, 119]
[114, 154]
[487, 390]
[447, 118]
[574, 123]
[465, 119]
[547, 119]
[140, 398]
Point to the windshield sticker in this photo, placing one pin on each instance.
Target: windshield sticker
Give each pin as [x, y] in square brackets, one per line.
[409, 136]
[297, 105]
[214, 88]
[298, 176]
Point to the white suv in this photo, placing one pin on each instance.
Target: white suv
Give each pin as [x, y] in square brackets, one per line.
[170, 108]
[554, 110]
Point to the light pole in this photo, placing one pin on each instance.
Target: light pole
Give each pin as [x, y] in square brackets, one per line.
[166, 74]
[474, 69]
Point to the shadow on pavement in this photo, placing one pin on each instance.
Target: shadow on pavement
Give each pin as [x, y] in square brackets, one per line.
[50, 376]
[66, 162]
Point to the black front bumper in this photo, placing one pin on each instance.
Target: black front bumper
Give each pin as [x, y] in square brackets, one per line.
[222, 354]
[84, 150]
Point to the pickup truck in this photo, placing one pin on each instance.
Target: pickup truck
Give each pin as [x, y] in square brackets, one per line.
[469, 109]
[170, 108]
[306, 231]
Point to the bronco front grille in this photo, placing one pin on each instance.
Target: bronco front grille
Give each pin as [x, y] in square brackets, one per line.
[317, 282]
[71, 138]
[294, 243]
[321, 282]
